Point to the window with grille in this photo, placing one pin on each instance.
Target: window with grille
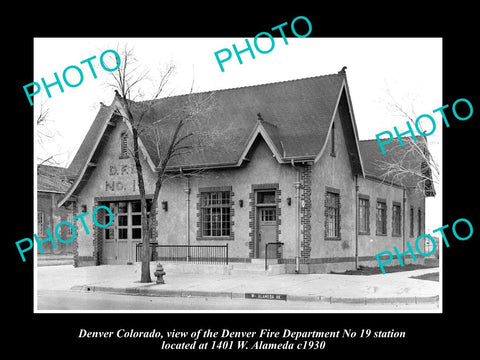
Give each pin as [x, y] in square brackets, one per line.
[41, 222]
[127, 218]
[268, 215]
[381, 218]
[332, 215]
[363, 216]
[396, 220]
[215, 213]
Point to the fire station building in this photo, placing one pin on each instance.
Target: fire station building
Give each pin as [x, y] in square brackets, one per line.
[282, 163]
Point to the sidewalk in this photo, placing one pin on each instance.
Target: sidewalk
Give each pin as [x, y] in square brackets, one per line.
[125, 279]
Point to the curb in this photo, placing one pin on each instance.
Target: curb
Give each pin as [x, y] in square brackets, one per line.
[54, 262]
[145, 291]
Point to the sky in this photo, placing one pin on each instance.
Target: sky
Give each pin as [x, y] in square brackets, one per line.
[407, 71]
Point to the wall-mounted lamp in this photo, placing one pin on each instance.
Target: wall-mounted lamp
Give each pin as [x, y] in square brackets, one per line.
[240, 202]
[289, 201]
[165, 205]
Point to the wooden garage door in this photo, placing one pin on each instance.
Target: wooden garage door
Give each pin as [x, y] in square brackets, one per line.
[125, 232]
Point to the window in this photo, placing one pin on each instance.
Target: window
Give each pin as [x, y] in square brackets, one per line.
[215, 213]
[332, 215]
[396, 219]
[136, 214]
[123, 207]
[123, 145]
[411, 221]
[137, 206]
[266, 197]
[381, 217]
[419, 222]
[41, 222]
[122, 220]
[363, 215]
[127, 219]
[268, 215]
[332, 150]
[109, 231]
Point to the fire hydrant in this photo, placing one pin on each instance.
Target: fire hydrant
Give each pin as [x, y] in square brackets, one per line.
[159, 272]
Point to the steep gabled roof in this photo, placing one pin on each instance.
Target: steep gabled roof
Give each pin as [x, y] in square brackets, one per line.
[269, 133]
[89, 141]
[296, 114]
[83, 164]
[54, 179]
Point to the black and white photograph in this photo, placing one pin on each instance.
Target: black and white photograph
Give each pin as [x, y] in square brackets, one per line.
[221, 196]
[279, 187]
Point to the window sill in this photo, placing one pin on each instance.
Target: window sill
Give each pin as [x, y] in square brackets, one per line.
[364, 233]
[378, 234]
[333, 238]
[216, 238]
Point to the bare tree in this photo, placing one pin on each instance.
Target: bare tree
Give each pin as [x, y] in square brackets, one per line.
[412, 164]
[45, 134]
[177, 126]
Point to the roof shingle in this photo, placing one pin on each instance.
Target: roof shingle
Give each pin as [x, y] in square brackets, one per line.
[296, 114]
[53, 179]
[412, 162]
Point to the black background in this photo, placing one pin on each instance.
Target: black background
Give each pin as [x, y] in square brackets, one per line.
[427, 334]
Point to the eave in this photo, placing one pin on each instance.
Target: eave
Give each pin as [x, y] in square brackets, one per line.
[343, 88]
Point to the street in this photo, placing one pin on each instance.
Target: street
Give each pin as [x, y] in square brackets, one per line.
[75, 300]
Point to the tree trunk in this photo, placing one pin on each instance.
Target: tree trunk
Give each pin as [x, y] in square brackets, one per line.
[146, 225]
[145, 277]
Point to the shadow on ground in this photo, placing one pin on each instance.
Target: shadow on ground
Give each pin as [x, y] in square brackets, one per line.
[364, 270]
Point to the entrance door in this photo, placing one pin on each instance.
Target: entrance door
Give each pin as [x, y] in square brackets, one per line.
[267, 228]
[125, 232]
[266, 213]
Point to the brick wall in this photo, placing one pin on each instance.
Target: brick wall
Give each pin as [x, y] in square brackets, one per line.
[98, 235]
[306, 213]
[75, 243]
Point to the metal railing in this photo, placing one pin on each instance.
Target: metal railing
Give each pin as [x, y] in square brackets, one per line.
[273, 250]
[197, 254]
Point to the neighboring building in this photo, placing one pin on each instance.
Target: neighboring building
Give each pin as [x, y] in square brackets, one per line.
[282, 163]
[52, 184]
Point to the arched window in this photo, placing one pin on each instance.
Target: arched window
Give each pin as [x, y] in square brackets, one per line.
[123, 145]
